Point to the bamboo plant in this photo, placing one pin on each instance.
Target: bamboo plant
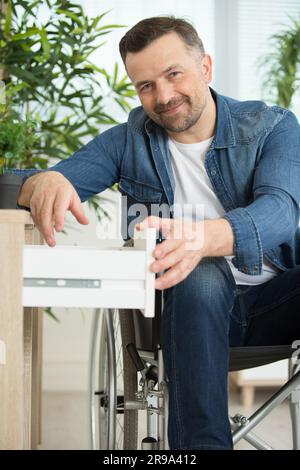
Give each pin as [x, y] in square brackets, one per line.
[48, 74]
[282, 67]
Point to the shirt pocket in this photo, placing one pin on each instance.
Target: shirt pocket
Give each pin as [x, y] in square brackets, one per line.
[138, 191]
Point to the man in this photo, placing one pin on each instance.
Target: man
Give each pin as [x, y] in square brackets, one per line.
[232, 278]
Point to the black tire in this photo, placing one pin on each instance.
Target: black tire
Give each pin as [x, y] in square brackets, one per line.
[113, 381]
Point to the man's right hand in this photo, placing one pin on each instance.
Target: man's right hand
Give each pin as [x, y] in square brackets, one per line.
[49, 195]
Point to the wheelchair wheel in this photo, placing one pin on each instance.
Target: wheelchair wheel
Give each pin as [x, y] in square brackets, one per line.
[113, 381]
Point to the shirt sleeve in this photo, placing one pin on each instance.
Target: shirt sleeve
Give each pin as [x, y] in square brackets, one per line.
[273, 216]
[93, 168]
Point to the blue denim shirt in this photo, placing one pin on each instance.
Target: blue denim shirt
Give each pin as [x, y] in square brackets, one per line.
[253, 164]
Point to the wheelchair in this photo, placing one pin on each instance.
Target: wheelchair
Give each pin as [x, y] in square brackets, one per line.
[126, 377]
[128, 386]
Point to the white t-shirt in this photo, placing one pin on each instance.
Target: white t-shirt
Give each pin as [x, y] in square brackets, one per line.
[195, 198]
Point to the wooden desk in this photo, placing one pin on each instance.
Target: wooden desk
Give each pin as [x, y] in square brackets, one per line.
[36, 276]
[20, 339]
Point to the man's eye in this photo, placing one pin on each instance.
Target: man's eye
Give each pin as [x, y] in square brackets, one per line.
[173, 74]
[146, 87]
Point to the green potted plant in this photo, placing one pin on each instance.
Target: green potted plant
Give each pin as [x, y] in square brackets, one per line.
[19, 137]
[282, 66]
[47, 67]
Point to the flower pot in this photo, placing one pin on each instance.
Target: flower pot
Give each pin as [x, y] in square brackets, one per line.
[9, 190]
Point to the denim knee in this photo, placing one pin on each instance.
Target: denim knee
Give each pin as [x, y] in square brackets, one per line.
[198, 309]
[210, 284]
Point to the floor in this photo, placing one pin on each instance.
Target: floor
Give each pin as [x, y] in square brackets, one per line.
[65, 421]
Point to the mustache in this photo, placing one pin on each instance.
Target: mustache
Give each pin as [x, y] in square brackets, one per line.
[160, 108]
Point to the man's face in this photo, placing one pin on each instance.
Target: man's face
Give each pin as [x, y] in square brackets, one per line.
[172, 82]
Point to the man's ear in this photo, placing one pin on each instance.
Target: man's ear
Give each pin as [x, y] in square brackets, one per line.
[206, 66]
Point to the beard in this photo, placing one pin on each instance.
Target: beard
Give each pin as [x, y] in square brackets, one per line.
[181, 121]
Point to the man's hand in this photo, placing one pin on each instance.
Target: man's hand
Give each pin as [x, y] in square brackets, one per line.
[180, 253]
[49, 195]
[186, 244]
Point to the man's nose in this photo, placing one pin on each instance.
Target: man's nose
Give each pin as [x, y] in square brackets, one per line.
[164, 93]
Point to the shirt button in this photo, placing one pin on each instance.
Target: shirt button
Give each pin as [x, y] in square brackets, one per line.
[213, 172]
[244, 269]
[255, 269]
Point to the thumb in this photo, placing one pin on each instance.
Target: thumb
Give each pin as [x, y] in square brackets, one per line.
[77, 210]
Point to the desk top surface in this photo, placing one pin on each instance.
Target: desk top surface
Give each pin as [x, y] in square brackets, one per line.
[15, 216]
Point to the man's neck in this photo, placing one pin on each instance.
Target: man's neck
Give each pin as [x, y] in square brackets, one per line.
[203, 129]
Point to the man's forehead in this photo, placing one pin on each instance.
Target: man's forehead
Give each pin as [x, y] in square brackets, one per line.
[159, 56]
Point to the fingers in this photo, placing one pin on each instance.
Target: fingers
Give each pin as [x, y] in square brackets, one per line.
[50, 200]
[67, 201]
[179, 254]
[177, 273]
[42, 213]
[162, 249]
[60, 207]
[172, 253]
[174, 275]
[77, 210]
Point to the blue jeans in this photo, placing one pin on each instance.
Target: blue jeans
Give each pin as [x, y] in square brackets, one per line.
[203, 316]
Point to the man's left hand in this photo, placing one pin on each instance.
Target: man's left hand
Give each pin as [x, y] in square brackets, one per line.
[179, 253]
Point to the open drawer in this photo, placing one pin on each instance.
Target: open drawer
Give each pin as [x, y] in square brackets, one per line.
[78, 276]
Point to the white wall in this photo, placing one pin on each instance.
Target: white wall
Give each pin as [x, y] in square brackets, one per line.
[243, 30]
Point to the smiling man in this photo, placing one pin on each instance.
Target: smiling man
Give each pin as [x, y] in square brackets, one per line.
[173, 87]
[232, 275]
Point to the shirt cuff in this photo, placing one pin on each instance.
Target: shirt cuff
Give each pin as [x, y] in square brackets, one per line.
[248, 251]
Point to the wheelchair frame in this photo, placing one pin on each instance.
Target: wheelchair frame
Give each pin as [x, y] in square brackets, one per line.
[153, 393]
